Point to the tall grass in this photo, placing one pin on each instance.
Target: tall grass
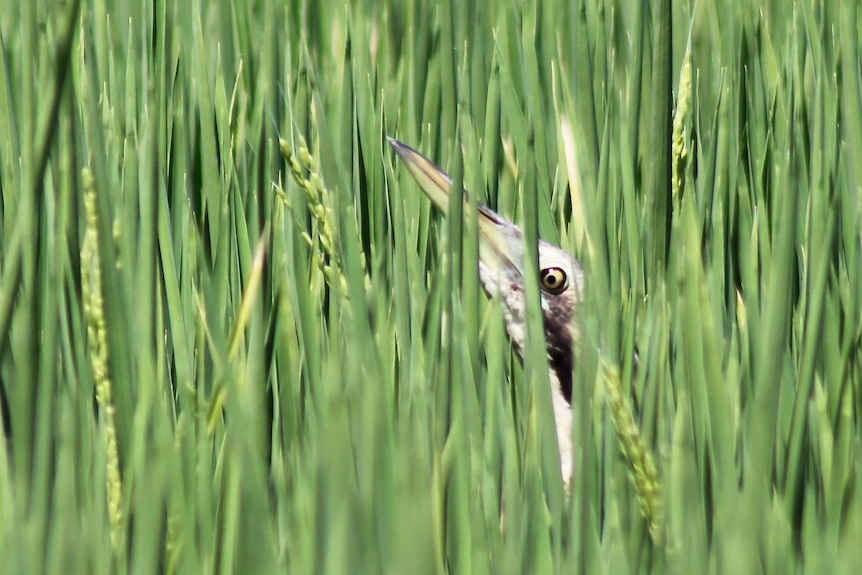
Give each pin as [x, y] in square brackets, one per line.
[236, 337]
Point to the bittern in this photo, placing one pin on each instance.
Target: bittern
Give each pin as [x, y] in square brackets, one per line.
[501, 271]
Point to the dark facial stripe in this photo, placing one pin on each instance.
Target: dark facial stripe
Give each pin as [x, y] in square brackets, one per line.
[560, 352]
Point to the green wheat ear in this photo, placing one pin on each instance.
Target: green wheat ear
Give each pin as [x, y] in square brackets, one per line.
[641, 466]
[97, 340]
[323, 237]
[679, 150]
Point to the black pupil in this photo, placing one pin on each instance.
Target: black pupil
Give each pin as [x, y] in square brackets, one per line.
[553, 278]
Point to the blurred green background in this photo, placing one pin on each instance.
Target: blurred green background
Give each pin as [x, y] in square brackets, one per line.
[236, 338]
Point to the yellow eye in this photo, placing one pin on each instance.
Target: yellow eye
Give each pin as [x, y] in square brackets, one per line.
[554, 280]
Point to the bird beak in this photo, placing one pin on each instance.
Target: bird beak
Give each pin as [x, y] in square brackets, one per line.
[501, 244]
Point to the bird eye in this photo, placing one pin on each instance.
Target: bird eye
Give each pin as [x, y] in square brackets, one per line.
[554, 280]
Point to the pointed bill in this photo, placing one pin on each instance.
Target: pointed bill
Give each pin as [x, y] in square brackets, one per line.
[501, 243]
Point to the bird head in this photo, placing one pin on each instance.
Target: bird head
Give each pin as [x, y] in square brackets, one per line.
[502, 272]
